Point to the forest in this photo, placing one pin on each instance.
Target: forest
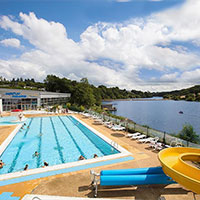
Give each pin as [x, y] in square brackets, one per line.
[82, 92]
[86, 94]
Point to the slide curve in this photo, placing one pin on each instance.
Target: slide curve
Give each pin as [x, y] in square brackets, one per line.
[182, 165]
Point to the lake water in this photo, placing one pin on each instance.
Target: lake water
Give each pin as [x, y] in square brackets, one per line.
[162, 115]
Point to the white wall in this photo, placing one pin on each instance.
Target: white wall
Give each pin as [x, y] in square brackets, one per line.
[1, 106]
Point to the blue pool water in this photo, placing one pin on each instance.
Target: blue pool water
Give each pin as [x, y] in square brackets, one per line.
[7, 120]
[58, 139]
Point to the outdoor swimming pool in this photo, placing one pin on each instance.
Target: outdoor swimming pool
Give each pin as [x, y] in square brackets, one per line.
[57, 139]
[7, 120]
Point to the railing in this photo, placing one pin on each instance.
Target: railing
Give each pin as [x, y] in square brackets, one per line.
[34, 198]
[163, 136]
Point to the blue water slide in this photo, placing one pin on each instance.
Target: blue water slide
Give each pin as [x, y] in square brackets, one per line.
[137, 171]
[142, 179]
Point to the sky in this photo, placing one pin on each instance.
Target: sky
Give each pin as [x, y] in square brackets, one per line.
[147, 45]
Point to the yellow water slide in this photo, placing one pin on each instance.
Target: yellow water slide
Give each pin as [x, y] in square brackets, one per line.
[182, 164]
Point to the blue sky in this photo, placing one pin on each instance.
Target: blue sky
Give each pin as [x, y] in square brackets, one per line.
[77, 15]
[149, 45]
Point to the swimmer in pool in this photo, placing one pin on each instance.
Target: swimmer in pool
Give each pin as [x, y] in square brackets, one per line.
[81, 158]
[26, 167]
[95, 155]
[46, 164]
[1, 164]
[36, 154]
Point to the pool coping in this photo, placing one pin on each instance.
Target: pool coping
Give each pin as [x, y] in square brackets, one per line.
[54, 172]
[7, 141]
[51, 197]
[123, 153]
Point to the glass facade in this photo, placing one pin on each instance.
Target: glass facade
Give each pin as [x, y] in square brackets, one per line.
[53, 101]
[29, 99]
[24, 104]
[31, 104]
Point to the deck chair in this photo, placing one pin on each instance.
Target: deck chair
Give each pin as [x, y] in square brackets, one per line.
[145, 140]
[133, 134]
[138, 137]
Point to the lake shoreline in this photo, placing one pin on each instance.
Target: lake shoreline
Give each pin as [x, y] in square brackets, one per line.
[134, 99]
[165, 115]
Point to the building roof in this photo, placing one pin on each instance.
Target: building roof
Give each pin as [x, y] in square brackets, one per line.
[18, 93]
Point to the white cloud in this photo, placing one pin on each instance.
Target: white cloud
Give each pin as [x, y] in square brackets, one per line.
[192, 76]
[169, 77]
[112, 54]
[12, 42]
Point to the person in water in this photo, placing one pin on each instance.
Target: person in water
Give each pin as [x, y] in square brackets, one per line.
[46, 164]
[36, 154]
[26, 167]
[81, 158]
[95, 155]
[1, 164]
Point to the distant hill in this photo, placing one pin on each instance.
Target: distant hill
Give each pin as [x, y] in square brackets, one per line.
[188, 94]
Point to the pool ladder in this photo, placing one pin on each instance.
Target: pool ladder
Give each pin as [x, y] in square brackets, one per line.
[114, 144]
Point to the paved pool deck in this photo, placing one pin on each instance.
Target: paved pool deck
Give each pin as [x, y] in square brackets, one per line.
[77, 183]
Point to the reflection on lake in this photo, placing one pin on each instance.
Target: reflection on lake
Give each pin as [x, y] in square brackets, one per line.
[162, 115]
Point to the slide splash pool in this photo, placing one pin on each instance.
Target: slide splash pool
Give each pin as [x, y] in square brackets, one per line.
[182, 164]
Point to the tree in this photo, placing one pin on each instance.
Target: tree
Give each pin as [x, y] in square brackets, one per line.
[83, 95]
[84, 80]
[188, 134]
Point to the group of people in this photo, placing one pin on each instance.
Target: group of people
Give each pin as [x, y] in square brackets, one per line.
[36, 154]
[81, 157]
[45, 164]
[24, 126]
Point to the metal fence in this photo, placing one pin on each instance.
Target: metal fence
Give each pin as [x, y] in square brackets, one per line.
[163, 136]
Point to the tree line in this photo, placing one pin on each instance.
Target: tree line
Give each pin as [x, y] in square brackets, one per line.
[86, 94]
[188, 94]
[82, 92]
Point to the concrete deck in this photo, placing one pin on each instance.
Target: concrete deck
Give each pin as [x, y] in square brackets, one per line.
[77, 184]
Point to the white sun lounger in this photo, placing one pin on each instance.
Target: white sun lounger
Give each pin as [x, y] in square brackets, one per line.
[138, 137]
[133, 134]
[107, 123]
[98, 122]
[158, 146]
[150, 139]
[118, 128]
[145, 140]
[154, 144]
[86, 115]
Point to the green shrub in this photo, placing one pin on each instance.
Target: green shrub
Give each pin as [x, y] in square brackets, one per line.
[82, 108]
[188, 134]
[68, 105]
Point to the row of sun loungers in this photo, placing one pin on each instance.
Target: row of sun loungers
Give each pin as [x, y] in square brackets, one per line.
[153, 141]
[141, 138]
[99, 121]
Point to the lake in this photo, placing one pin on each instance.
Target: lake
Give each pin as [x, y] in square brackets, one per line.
[161, 115]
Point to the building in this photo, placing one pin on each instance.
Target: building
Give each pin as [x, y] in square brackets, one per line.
[29, 99]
